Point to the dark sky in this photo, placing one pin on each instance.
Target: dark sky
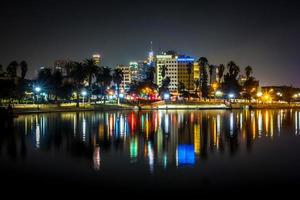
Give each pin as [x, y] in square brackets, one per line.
[263, 34]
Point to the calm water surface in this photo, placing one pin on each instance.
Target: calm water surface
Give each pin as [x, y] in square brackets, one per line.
[162, 149]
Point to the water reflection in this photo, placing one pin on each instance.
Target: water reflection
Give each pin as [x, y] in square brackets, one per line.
[159, 139]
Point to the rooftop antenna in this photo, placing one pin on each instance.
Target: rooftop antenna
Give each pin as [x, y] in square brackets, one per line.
[151, 46]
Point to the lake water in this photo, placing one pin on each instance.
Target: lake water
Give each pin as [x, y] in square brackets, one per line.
[162, 149]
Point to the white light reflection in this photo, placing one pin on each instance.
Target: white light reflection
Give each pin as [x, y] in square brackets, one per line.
[218, 124]
[151, 157]
[279, 122]
[296, 123]
[96, 158]
[241, 120]
[260, 124]
[74, 125]
[37, 135]
[122, 124]
[166, 123]
[231, 124]
[84, 129]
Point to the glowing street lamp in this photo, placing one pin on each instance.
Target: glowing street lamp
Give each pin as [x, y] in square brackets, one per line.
[279, 94]
[231, 95]
[215, 86]
[259, 94]
[219, 93]
[166, 96]
[83, 93]
[37, 89]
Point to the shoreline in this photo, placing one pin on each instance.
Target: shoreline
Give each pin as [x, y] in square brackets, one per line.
[33, 109]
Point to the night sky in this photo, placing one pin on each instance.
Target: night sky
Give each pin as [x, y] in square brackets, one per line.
[263, 34]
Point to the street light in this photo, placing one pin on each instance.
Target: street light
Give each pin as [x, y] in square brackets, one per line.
[219, 93]
[259, 94]
[83, 93]
[37, 89]
[166, 96]
[231, 95]
[279, 94]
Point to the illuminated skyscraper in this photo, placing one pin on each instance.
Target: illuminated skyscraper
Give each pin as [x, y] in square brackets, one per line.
[126, 76]
[134, 71]
[183, 72]
[96, 57]
[151, 56]
[171, 64]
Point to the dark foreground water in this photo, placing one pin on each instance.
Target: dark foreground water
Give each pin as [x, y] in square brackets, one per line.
[183, 150]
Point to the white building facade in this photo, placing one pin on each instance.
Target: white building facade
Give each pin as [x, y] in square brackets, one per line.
[171, 64]
[126, 76]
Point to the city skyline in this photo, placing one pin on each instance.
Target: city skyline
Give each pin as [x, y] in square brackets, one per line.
[248, 33]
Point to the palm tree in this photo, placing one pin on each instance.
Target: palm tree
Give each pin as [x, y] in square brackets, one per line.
[78, 74]
[248, 71]
[150, 73]
[233, 69]
[211, 71]
[44, 76]
[12, 68]
[163, 70]
[221, 72]
[189, 68]
[68, 66]
[197, 85]
[104, 79]
[45, 80]
[24, 68]
[91, 69]
[117, 79]
[57, 79]
[203, 62]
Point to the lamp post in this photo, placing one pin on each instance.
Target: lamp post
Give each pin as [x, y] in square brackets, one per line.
[231, 96]
[83, 93]
[37, 91]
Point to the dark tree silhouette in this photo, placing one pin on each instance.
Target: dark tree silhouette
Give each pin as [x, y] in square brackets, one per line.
[78, 75]
[117, 79]
[24, 69]
[12, 68]
[221, 72]
[248, 71]
[203, 62]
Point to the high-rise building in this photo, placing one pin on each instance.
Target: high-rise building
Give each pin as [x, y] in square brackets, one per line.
[134, 71]
[196, 71]
[171, 64]
[126, 76]
[184, 75]
[177, 71]
[96, 57]
[143, 67]
[214, 76]
[151, 57]
[61, 65]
